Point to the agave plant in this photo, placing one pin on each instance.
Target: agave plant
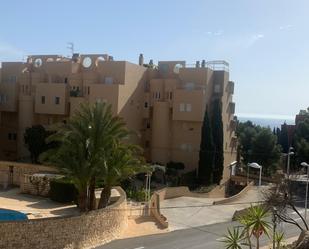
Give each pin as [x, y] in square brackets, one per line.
[234, 239]
[279, 236]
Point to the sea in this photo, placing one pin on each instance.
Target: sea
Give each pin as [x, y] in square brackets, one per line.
[271, 122]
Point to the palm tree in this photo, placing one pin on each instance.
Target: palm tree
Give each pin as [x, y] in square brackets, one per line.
[122, 162]
[257, 222]
[86, 141]
[235, 238]
[70, 158]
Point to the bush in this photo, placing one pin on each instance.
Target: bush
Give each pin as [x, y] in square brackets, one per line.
[62, 190]
[136, 195]
[189, 179]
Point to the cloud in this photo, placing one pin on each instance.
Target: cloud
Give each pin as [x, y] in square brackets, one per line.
[286, 27]
[254, 39]
[215, 33]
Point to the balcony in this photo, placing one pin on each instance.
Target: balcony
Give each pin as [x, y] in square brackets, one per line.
[231, 107]
[230, 87]
[233, 124]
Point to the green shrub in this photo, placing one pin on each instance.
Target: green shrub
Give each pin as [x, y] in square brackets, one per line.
[136, 195]
[189, 179]
[62, 190]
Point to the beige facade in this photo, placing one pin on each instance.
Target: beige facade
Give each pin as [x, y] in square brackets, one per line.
[164, 105]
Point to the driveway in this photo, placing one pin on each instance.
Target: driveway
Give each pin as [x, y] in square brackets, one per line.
[188, 212]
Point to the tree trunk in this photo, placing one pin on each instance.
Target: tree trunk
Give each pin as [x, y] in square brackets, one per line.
[92, 199]
[82, 200]
[105, 196]
[249, 239]
[257, 242]
[303, 240]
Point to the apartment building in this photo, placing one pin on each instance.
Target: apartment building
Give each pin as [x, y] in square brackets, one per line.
[163, 104]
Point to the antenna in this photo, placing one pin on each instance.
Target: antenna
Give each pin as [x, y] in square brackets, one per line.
[71, 47]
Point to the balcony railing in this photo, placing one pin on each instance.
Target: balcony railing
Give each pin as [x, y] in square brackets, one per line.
[218, 65]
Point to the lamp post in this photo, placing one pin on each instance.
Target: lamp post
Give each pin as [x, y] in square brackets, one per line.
[304, 164]
[274, 220]
[290, 153]
[255, 166]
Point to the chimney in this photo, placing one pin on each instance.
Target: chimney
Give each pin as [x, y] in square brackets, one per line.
[203, 63]
[141, 60]
[197, 64]
[151, 62]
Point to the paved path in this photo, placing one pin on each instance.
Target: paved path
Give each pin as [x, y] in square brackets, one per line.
[34, 206]
[184, 212]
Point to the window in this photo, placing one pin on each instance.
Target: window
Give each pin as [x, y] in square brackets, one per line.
[146, 104]
[10, 136]
[14, 135]
[189, 147]
[217, 88]
[148, 125]
[190, 86]
[13, 79]
[188, 108]
[3, 98]
[183, 146]
[57, 100]
[88, 89]
[182, 107]
[109, 80]
[65, 80]
[147, 144]
[171, 95]
[43, 99]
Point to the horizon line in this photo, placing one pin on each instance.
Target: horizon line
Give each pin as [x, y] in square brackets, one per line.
[265, 116]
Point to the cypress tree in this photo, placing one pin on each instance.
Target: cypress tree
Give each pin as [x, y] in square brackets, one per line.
[284, 138]
[206, 155]
[217, 134]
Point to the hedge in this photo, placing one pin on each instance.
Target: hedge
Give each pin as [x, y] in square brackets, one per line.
[63, 190]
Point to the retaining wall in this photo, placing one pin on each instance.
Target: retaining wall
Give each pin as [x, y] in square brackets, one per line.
[13, 172]
[84, 231]
[235, 197]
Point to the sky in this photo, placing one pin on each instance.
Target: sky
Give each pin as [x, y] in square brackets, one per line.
[266, 42]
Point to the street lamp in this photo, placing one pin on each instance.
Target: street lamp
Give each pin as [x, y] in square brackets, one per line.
[255, 166]
[290, 153]
[304, 164]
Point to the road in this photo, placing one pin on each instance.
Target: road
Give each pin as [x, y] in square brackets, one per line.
[193, 238]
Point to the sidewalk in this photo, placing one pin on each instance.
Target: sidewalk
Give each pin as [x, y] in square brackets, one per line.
[286, 242]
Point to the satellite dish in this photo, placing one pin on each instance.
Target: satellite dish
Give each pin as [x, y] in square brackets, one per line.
[38, 62]
[87, 62]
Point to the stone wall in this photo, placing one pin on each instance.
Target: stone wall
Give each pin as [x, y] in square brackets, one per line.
[85, 231]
